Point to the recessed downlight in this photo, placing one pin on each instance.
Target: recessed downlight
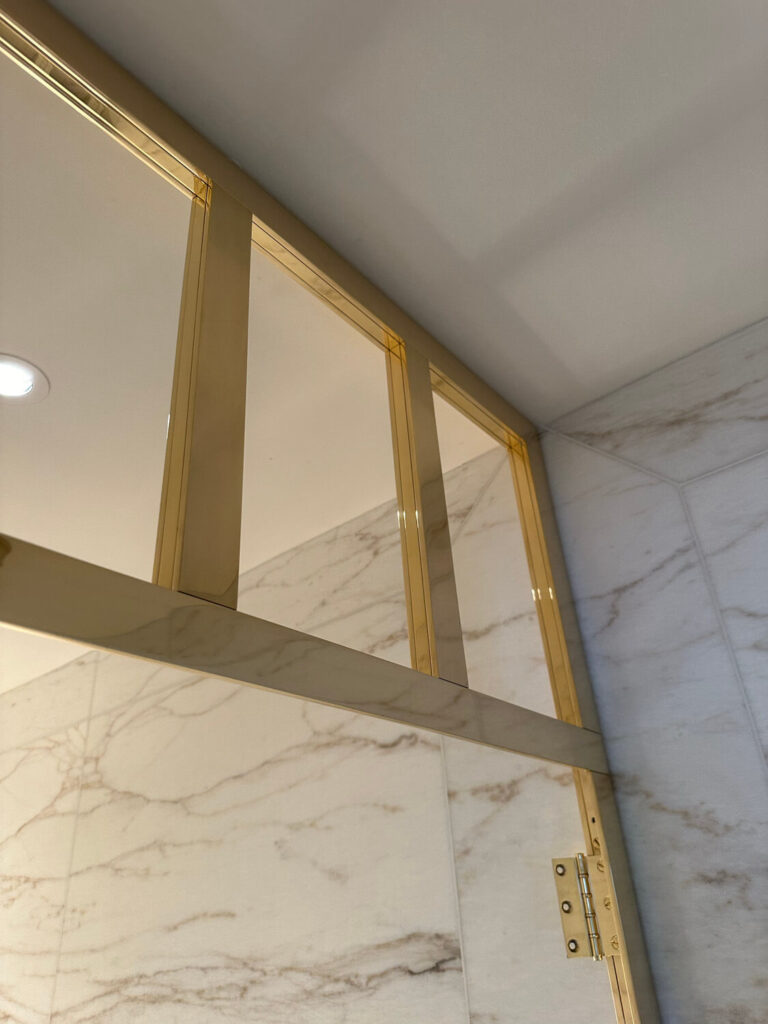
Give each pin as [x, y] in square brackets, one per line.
[21, 381]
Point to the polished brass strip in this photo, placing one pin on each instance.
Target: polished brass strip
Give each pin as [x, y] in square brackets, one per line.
[321, 286]
[198, 545]
[340, 282]
[432, 521]
[52, 72]
[53, 33]
[51, 593]
[420, 627]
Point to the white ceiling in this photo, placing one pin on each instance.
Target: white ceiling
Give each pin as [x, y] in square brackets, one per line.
[92, 246]
[568, 194]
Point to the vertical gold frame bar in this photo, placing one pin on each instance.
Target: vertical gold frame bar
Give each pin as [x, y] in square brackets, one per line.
[198, 539]
[436, 640]
[629, 973]
[188, 516]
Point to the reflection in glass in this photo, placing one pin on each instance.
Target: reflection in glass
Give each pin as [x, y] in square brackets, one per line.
[92, 255]
[503, 644]
[320, 543]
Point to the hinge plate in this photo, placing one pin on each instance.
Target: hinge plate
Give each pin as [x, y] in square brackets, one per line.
[586, 903]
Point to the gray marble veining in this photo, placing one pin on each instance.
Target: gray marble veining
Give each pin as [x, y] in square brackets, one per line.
[669, 580]
[240, 855]
[730, 514]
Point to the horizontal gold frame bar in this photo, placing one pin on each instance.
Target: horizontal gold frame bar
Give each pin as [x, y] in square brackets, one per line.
[66, 83]
[50, 593]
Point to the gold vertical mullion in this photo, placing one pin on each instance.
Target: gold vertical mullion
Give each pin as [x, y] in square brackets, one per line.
[632, 1004]
[437, 642]
[542, 585]
[198, 540]
[420, 627]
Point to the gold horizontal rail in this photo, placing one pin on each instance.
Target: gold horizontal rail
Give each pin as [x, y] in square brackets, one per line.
[50, 593]
[44, 65]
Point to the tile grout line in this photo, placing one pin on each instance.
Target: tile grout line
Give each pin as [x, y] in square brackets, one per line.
[723, 627]
[621, 459]
[454, 875]
[726, 465]
[70, 865]
[701, 557]
[730, 337]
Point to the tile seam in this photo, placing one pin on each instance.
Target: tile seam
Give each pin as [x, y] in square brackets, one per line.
[73, 840]
[454, 877]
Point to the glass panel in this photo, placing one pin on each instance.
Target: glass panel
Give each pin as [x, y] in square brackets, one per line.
[510, 815]
[92, 254]
[169, 839]
[503, 644]
[320, 543]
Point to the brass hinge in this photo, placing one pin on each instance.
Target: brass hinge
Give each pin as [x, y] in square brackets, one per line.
[587, 906]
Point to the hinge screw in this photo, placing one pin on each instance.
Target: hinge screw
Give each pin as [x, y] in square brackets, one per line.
[572, 945]
[560, 869]
[565, 906]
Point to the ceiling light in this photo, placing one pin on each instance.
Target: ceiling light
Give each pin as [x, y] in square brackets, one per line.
[21, 381]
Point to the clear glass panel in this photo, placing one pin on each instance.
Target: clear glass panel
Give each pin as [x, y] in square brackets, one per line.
[510, 815]
[320, 542]
[503, 643]
[168, 839]
[92, 254]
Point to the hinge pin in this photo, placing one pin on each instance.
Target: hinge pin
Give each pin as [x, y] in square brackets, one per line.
[589, 909]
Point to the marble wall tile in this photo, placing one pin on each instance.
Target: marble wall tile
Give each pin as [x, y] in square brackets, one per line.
[690, 417]
[244, 856]
[48, 704]
[650, 630]
[345, 586]
[690, 781]
[39, 785]
[504, 651]
[510, 815]
[730, 514]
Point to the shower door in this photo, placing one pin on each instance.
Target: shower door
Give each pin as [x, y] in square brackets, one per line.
[294, 720]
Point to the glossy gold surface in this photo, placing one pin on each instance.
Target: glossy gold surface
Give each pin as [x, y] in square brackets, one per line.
[65, 82]
[198, 549]
[420, 626]
[435, 538]
[47, 592]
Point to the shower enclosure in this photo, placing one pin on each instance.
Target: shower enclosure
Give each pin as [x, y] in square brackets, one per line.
[295, 720]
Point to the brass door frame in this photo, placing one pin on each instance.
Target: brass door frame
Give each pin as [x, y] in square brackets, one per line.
[190, 620]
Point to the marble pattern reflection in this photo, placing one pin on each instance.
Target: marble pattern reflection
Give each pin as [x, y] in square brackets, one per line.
[689, 417]
[240, 855]
[510, 815]
[245, 856]
[505, 656]
[345, 586]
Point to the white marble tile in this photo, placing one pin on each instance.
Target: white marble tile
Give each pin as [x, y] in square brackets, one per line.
[730, 513]
[691, 783]
[690, 417]
[244, 856]
[510, 816]
[505, 655]
[48, 704]
[39, 781]
[345, 585]
[695, 810]
[650, 630]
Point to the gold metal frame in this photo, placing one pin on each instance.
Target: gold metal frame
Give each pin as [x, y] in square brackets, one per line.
[187, 617]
